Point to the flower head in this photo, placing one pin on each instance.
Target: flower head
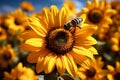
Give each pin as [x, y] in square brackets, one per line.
[27, 6]
[3, 22]
[71, 6]
[116, 5]
[114, 72]
[20, 73]
[94, 70]
[17, 21]
[3, 35]
[7, 55]
[51, 45]
[98, 13]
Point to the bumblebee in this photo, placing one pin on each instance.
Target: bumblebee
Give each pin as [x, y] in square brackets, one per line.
[71, 26]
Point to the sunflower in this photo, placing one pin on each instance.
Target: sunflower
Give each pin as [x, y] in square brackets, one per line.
[51, 45]
[113, 33]
[17, 21]
[114, 72]
[20, 73]
[3, 22]
[3, 35]
[7, 55]
[98, 13]
[116, 5]
[94, 70]
[71, 6]
[27, 6]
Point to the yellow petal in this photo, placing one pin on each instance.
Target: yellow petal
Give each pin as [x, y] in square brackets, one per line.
[28, 47]
[78, 58]
[107, 5]
[88, 41]
[115, 47]
[110, 68]
[85, 10]
[85, 32]
[43, 22]
[53, 16]
[63, 64]
[63, 16]
[110, 12]
[102, 5]
[108, 20]
[110, 77]
[83, 51]
[19, 67]
[60, 64]
[7, 74]
[115, 40]
[49, 62]
[45, 17]
[89, 5]
[40, 65]
[36, 42]
[92, 50]
[36, 26]
[95, 3]
[71, 66]
[54, 10]
[33, 57]
[117, 65]
[30, 34]
[82, 76]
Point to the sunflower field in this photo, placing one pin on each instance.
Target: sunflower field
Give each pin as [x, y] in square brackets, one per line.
[61, 43]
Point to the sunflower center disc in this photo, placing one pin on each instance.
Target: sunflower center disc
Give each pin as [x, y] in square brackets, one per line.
[90, 72]
[7, 56]
[18, 21]
[59, 41]
[117, 76]
[95, 16]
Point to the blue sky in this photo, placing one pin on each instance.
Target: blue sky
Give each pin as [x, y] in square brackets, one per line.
[10, 5]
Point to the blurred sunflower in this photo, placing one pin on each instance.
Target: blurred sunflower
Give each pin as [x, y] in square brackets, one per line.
[94, 70]
[20, 73]
[71, 6]
[3, 35]
[114, 72]
[112, 34]
[27, 6]
[51, 45]
[17, 21]
[7, 55]
[3, 22]
[116, 5]
[98, 13]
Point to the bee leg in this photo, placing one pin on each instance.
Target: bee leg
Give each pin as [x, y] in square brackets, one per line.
[72, 30]
[79, 27]
[66, 27]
